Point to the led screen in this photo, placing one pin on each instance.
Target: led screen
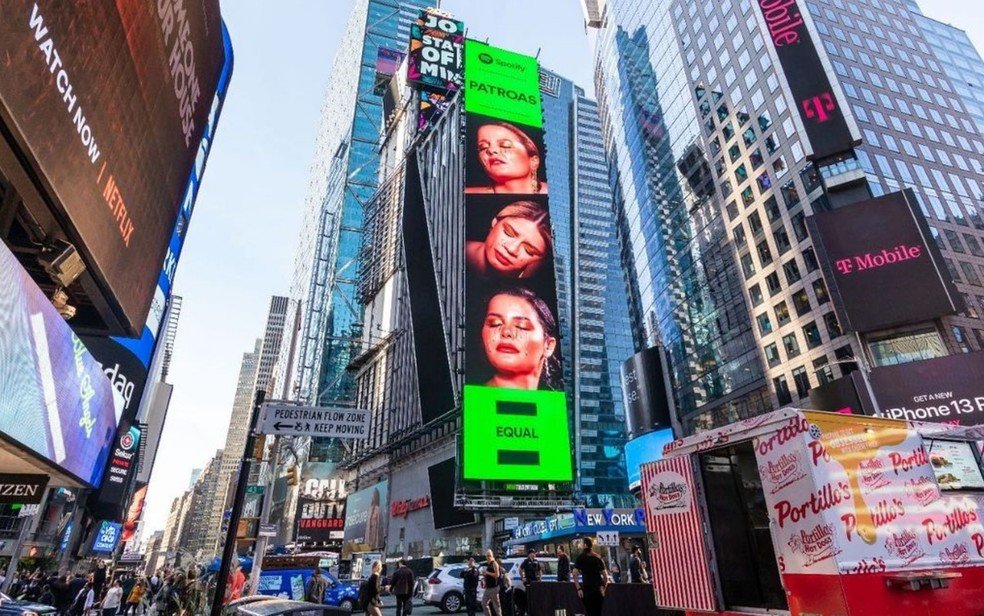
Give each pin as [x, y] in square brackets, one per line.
[366, 516]
[56, 400]
[502, 84]
[106, 538]
[642, 449]
[871, 253]
[516, 424]
[108, 102]
[320, 513]
[955, 465]
[436, 44]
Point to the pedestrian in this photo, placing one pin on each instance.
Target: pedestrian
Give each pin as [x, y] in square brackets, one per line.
[126, 583]
[563, 565]
[84, 600]
[401, 585]
[469, 579]
[63, 596]
[531, 572]
[135, 598]
[314, 592]
[46, 597]
[645, 571]
[111, 602]
[590, 579]
[616, 571]
[491, 575]
[635, 566]
[234, 587]
[369, 598]
[74, 588]
[99, 578]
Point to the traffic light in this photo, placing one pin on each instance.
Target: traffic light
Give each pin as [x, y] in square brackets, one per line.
[259, 448]
[293, 476]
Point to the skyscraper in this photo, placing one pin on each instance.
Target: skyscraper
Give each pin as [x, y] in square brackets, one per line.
[343, 178]
[255, 373]
[709, 158]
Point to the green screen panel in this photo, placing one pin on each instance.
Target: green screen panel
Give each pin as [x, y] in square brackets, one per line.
[515, 435]
[502, 84]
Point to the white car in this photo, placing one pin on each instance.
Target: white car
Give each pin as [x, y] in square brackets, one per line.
[445, 589]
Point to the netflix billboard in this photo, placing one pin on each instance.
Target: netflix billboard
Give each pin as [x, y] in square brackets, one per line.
[881, 265]
[821, 108]
[107, 102]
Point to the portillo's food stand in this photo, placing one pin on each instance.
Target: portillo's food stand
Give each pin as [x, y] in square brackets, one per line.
[817, 513]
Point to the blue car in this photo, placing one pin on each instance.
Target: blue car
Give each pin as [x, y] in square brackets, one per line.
[290, 584]
[13, 607]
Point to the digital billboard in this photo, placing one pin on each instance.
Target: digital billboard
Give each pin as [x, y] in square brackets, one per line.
[502, 84]
[107, 102]
[871, 252]
[946, 389]
[121, 468]
[516, 423]
[320, 513]
[106, 537]
[56, 400]
[134, 512]
[366, 516]
[642, 449]
[821, 109]
[435, 61]
[644, 392]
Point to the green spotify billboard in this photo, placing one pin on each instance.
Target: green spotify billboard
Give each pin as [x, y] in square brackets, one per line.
[516, 424]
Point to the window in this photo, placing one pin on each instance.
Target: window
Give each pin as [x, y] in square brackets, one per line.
[765, 255]
[734, 152]
[799, 226]
[747, 265]
[801, 302]
[771, 144]
[772, 211]
[810, 258]
[833, 327]
[747, 196]
[772, 355]
[741, 173]
[755, 294]
[812, 335]
[792, 271]
[782, 240]
[739, 232]
[764, 323]
[802, 381]
[756, 159]
[732, 209]
[810, 177]
[782, 313]
[755, 223]
[764, 182]
[823, 370]
[782, 390]
[791, 345]
[789, 194]
[820, 290]
[960, 336]
[772, 283]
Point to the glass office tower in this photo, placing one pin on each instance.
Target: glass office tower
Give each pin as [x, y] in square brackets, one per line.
[707, 157]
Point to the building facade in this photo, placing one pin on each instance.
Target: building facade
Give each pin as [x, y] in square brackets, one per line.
[708, 156]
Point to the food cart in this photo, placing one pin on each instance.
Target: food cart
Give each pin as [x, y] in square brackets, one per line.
[816, 513]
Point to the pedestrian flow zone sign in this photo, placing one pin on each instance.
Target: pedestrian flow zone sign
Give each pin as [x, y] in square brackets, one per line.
[292, 420]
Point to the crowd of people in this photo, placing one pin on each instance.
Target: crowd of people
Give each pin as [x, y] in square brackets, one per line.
[167, 592]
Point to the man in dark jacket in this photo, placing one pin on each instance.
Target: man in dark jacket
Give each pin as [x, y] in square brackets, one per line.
[469, 578]
[315, 590]
[563, 565]
[635, 566]
[401, 585]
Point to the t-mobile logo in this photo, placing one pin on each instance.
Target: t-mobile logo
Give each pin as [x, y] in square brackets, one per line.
[871, 260]
[819, 107]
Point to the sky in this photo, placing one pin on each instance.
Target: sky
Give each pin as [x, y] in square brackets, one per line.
[240, 245]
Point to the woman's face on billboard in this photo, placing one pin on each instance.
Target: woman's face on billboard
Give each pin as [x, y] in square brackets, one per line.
[515, 246]
[515, 341]
[504, 156]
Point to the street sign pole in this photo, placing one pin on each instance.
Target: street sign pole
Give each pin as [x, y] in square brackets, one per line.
[261, 540]
[237, 508]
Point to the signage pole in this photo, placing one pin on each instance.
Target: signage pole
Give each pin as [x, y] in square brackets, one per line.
[26, 523]
[229, 552]
[261, 541]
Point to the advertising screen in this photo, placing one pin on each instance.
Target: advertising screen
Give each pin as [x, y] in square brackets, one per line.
[944, 390]
[871, 251]
[320, 504]
[642, 449]
[820, 108]
[366, 516]
[502, 84]
[436, 44]
[56, 400]
[647, 405]
[106, 537]
[108, 102]
[442, 482]
[516, 424]
[955, 465]
[122, 465]
[134, 513]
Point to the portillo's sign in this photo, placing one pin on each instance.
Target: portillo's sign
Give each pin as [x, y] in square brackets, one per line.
[400, 509]
[870, 252]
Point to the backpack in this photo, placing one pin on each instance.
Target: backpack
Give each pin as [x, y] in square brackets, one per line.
[364, 595]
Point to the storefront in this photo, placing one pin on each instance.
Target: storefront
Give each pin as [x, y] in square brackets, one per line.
[422, 518]
[615, 532]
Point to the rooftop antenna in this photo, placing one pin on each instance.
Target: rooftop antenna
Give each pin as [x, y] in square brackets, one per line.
[538, 52]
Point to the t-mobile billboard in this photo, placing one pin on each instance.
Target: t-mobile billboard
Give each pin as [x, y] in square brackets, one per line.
[821, 110]
[108, 102]
[516, 425]
[881, 264]
[55, 399]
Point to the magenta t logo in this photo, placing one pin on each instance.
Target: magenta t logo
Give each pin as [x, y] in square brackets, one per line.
[819, 107]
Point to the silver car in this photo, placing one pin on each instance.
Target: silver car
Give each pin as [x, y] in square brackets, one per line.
[445, 589]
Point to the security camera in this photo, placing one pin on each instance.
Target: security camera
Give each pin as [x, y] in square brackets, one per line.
[59, 299]
[61, 261]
